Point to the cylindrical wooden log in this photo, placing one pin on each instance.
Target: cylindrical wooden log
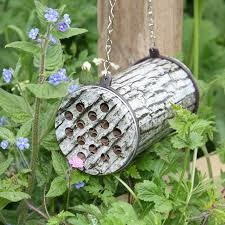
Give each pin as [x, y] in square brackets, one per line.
[108, 127]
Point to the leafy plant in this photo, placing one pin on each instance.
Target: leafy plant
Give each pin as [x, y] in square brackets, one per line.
[162, 186]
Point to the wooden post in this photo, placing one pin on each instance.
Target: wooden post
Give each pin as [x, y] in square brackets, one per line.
[131, 35]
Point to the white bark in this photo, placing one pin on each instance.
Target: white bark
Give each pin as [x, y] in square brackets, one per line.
[149, 89]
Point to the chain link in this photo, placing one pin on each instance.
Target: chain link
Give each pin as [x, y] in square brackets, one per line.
[108, 46]
[151, 24]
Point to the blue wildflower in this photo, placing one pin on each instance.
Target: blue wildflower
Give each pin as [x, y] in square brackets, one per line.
[55, 79]
[67, 19]
[79, 185]
[4, 144]
[51, 15]
[73, 88]
[7, 75]
[52, 39]
[3, 121]
[33, 33]
[63, 75]
[22, 143]
[62, 26]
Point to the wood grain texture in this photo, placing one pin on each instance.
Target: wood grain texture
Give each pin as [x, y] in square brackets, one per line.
[140, 107]
[131, 35]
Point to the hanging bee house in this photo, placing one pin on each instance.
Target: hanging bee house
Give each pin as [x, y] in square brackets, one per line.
[108, 125]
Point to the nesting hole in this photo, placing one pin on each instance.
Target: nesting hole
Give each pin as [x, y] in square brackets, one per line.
[104, 157]
[105, 141]
[93, 132]
[69, 132]
[80, 140]
[92, 116]
[104, 107]
[93, 149]
[80, 107]
[117, 132]
[81, 155]
[105, 124]
[68, 115]
[117, 150]
[81, 124]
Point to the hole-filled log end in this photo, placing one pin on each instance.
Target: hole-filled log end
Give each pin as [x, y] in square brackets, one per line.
[98, 127]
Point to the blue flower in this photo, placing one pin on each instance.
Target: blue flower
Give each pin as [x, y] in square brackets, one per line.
[3, 121]
[73, 88]
[4, 144]
[63, 75]
[33, 33]
[79, 185]
[51, 15]
[62, 26]
[22, 143]
[52, 39]
[7, 75]
[67, 19]
[55, 79]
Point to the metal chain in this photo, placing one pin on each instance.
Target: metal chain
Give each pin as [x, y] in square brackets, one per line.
[108, 47]
[151, 24]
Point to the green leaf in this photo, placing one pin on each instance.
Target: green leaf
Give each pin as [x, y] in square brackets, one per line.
[77, 176]
[89, 209]
[6, 134]
[69, 33]
[48, 91]
[25, 129]
[54, 58]
[58, 219]
[3, 203]
[148, 191]
[133, 172]
[153, 218]
[18, 67]
[20, 32]
[25, 46]
[58, 187]
[15, 106]
[59, 163]
[5, 165]
[50, 142]
[14, 196]
[40, 9]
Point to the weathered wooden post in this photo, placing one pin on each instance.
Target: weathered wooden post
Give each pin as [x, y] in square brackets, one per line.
[108, 125]
[131, 36]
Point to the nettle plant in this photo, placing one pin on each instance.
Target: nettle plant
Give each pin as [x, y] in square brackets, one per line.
[39, 186]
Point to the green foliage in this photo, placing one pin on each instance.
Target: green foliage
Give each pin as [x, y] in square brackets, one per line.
[154, 177]
[47, 91]
[60, 218]
[57, 188]
[191, 132]
[25, 46]
[5, 165]
[148, 191]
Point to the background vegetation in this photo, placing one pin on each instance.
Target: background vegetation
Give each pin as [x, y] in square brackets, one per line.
[156, 195]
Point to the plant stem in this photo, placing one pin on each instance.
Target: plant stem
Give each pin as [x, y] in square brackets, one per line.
[192, 176]
[33, 208]
[196, 38]
[69, 189]
[130, 190]
[185, 164]
[192, 186]
[209, 165]
[3, 220]
[35, 136]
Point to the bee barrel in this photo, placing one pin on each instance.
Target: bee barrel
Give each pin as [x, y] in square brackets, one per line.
[108, 126]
